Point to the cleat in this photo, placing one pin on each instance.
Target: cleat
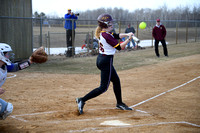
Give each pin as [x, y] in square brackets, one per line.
[123, 106]
[80, 105]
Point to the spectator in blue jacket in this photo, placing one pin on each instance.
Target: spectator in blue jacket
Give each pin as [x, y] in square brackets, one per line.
[68, 26]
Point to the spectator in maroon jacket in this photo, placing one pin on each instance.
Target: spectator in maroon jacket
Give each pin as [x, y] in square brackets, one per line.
[159, 33]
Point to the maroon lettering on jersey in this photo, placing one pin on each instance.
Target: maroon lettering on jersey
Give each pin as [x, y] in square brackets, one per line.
[101, 47]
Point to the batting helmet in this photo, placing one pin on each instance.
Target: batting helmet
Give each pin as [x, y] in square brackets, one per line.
[104, 20]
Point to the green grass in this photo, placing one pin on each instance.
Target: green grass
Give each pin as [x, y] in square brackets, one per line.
[122, 60]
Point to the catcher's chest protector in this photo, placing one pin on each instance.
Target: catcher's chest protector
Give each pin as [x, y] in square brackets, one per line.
[3, 75]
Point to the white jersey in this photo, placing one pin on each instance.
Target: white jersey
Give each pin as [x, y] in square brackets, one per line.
[3, 75]
[107, 43]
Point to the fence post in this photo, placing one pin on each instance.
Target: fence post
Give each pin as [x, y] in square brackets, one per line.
[195, 31]
[92, 39]
[88, 46]
[152, 38]
[176, 32]
[73, 38]
[186, 34]
[137, 29]
[48, 43]
[119, 26]
[40, 31]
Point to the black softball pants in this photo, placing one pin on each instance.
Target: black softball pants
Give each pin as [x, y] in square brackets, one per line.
[108, 73]
[164, 47]
[69, 37]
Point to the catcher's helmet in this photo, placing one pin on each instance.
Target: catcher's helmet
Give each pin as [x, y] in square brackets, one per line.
[104, 20]
[4, 48]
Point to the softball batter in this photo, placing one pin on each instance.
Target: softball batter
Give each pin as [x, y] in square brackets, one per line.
[108, 43]
[6, 108]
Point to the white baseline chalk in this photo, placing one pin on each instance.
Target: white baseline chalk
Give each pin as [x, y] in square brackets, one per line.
[12, 75]
[41, 113]
[165, 92]
[131, 126]
[20, 119]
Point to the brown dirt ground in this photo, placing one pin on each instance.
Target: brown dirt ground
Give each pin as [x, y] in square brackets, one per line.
[46, 102]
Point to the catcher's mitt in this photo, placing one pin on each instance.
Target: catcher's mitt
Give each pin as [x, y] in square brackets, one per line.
[39, 56]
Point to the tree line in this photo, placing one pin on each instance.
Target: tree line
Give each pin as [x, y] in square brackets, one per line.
[89, 17]
[144, 14]
[179, 13]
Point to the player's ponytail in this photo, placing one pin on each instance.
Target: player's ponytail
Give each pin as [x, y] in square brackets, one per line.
[98, 31]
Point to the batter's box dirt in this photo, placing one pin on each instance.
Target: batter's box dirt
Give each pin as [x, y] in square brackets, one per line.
[69, 116]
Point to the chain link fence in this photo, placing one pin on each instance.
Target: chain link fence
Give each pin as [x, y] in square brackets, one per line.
[177, 31]
[51, 33]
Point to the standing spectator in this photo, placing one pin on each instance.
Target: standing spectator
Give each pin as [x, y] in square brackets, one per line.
[159, 33]
[69, 17]
[128, 30]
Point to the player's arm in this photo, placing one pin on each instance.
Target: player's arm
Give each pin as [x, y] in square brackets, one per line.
[116, 36]
[122, 35]
[18, 66]
[122, 45]
[74, 16]
[118, 47]
[70, 16]
[119, 36]
[112, 41]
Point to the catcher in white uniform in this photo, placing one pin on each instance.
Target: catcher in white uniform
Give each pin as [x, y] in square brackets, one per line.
[6, 108]
[39, 56]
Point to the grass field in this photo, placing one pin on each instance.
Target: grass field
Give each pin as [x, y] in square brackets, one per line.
[122, 61]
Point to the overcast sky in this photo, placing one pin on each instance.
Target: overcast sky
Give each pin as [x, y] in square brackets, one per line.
[59, 7]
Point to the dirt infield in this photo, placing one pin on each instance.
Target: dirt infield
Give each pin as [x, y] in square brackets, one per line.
[165, 98]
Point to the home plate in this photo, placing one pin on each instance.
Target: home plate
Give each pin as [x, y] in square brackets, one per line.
[115, 123]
